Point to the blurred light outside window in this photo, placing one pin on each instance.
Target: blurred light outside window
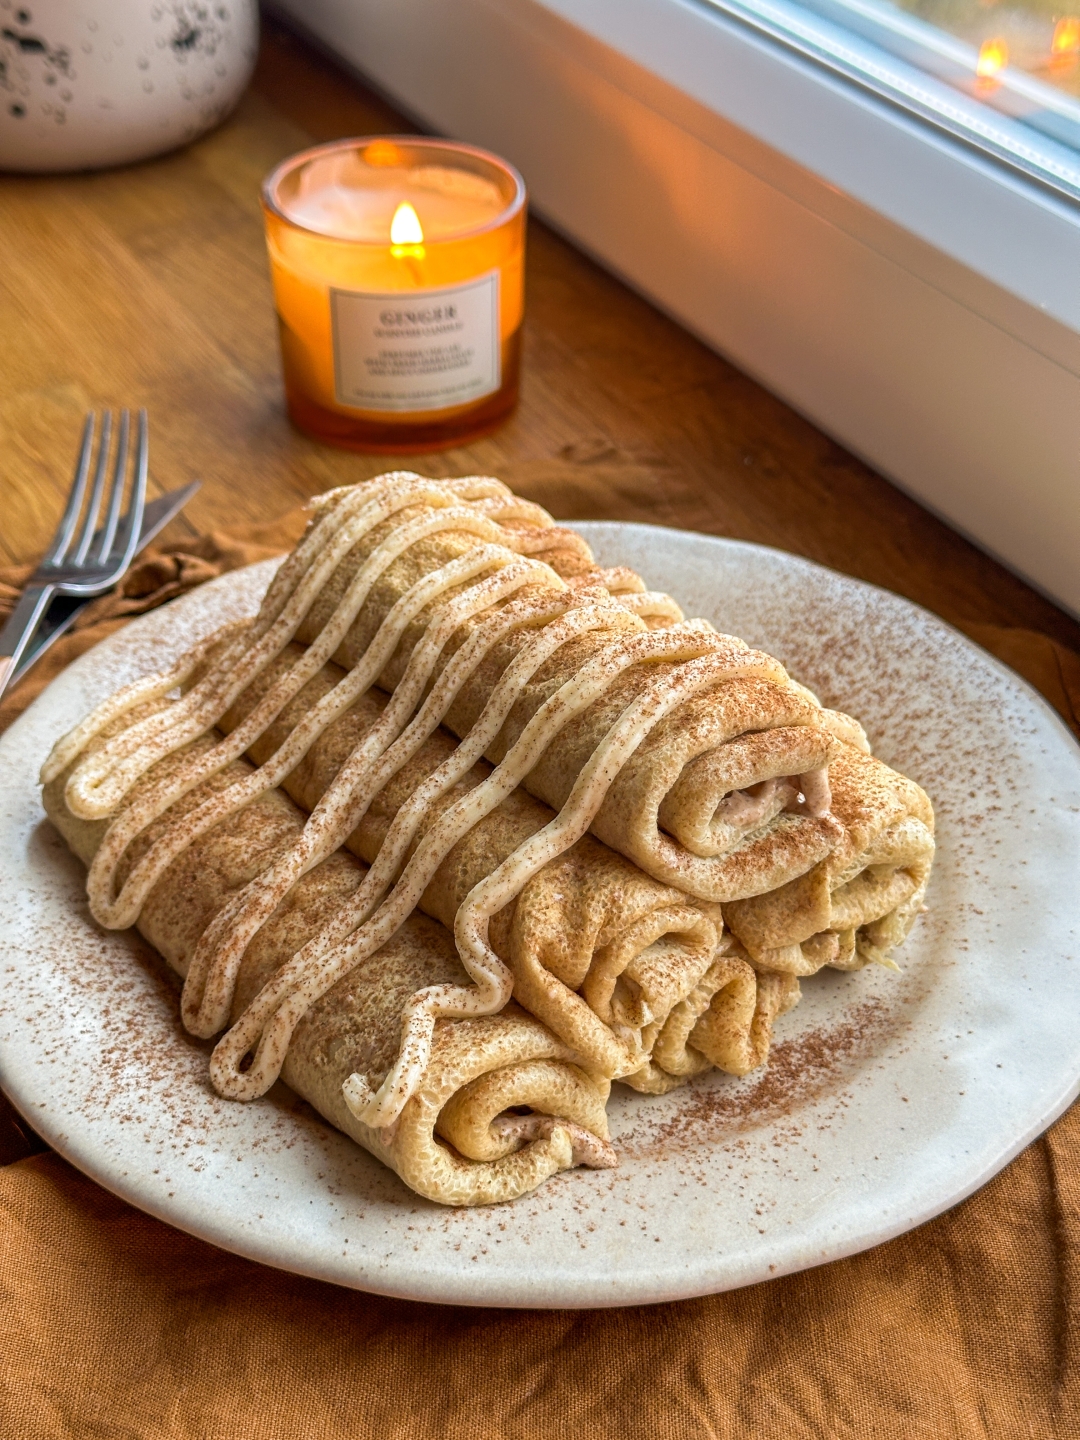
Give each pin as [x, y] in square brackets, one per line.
[1002, 76]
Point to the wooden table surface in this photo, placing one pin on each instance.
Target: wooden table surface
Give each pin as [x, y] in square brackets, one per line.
[149, 286]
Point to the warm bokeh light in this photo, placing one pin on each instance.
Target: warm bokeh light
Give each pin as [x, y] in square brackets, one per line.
[382, 153]
[405, 228]
[1066, 42]
[993, 57]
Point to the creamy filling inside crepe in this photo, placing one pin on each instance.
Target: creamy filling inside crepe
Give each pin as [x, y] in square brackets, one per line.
[858, 904]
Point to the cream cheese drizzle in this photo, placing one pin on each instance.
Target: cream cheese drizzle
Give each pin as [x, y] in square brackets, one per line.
[100, 783]
[211, 977]
[511, 534]
[129, 697]
[268, 1023]
[125, 908]
[651, 605]
[274, 1013]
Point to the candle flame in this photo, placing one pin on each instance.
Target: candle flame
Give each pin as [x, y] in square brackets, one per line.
[1066, 41]
[993, 57]
[405, 228]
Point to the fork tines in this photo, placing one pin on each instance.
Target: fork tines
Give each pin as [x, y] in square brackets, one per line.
[105, 540]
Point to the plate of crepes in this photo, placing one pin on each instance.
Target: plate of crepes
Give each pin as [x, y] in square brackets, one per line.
[448, 911]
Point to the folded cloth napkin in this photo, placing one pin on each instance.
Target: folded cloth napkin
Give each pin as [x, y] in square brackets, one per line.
[115, 1325]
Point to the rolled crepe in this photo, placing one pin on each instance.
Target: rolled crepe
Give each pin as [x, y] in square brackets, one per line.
[620, 728]
[726, 1022]
[707, 803]
[606, 957]
[860, 903]
[504, 1104]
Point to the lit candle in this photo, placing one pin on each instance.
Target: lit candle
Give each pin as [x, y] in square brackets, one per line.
[398, 270]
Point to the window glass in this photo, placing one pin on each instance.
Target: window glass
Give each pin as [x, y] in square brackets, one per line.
[1003, 75]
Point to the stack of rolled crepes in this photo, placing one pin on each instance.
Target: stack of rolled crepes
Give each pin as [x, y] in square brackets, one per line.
[462, 827]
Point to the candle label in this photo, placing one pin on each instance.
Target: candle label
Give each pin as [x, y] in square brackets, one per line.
[416, 349]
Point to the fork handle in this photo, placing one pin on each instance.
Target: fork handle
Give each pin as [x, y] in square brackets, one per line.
[20, 627]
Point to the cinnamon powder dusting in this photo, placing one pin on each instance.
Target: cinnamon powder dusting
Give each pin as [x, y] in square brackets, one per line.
[799, 1070]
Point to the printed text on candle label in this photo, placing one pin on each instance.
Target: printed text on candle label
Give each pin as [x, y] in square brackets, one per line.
[416, 349]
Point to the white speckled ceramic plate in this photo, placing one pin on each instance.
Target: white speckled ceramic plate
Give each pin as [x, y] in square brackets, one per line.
[887, 1098]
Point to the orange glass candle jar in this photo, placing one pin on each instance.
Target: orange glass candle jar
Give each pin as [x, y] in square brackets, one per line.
[398, 270]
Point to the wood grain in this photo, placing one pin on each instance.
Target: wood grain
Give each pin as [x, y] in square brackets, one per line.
[148, 286]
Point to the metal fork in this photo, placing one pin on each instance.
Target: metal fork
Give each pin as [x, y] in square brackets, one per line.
[92, 561]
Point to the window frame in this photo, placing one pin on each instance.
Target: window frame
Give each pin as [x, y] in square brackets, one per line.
[967, 202]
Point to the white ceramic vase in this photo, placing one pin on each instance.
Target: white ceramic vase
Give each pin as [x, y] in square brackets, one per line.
[89, 83]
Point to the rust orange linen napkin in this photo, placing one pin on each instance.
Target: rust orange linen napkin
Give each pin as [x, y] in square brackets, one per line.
[114, 1325]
